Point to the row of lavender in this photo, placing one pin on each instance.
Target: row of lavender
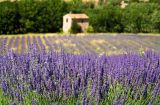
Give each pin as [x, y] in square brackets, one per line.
[68, 79]
[21, 44]
[83, 44]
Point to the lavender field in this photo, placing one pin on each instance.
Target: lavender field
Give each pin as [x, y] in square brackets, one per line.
[101, 44]
[75, 70]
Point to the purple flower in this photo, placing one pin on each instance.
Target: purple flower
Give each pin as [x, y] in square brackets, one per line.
[116, 103]
[4, 86]
[84, 100]
[151, 101]
[13, 103]
[145, 91]
[34, 102]
[122, 100]
[51, 86]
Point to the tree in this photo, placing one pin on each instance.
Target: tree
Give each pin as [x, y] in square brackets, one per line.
[42, 16]
[156, 20]
[137, 17]
[77, 6]
[9, 18]
[106, 19]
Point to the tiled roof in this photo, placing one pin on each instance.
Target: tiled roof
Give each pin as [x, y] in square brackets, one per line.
[77, 16]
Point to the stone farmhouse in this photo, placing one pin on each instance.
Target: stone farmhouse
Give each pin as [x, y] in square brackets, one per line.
[81, 19]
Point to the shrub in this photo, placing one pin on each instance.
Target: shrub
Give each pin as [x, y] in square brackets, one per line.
[90, 29]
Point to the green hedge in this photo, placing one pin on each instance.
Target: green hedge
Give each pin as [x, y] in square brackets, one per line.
[46, 16]
[31, 16]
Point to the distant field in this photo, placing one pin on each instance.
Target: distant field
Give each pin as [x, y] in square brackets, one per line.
[108, 44]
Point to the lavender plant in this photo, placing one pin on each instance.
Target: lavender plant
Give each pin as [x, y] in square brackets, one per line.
[23, 45]
[59, 78]
[11, 42]
[16, 44]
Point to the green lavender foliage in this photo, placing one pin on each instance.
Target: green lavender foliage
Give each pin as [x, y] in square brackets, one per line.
[116, 92]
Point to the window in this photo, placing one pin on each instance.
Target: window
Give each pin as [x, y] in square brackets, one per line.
[67, 20]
